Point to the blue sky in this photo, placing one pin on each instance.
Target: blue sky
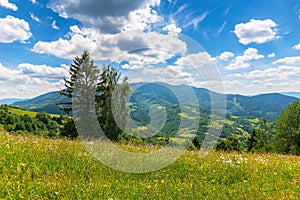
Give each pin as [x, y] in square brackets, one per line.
[245, 47]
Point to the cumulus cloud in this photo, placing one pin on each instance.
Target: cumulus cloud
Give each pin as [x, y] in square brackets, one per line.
[297, 47]
[8, 5]
[9, 74]
[294, 60]
[225, 55]
[241, 62]
[199, 60]
[111, 16]
[43, 71]
[78, 40]
[14, 29]
[136, 47]
[29, 80]
[194, 69]
[172, 28]
[281, 78]
[280, 73]
[271, 55]
[256, 31]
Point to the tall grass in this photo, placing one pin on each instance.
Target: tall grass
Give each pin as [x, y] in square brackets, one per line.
[39, 168]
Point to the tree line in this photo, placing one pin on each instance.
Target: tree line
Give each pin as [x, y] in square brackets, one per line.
[281, 137]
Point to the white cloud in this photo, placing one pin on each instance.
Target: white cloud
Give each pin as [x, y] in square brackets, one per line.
[29, 80]
[33, 1]
[225, 55]
[10, 74]
[69, 48]
[199, 60]
[297, 47]
[34, 17]
[256, 31]
[110, 16]
[195, 21]
[241, 62]
[201, 65]
[271, 55]
[6, 4]
[13, 29]
[221, 28]
[193, 69]
[136, 47]
[172, 28]
[54, 26]
[43, 71]
[171, 74]
[280, 73]
[275, 79]
[295, 60]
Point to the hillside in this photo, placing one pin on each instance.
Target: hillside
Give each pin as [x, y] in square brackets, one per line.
[43, 103]
[40, 168]
[267, 106]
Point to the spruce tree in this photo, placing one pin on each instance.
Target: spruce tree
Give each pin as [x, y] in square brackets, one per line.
[81, 63]
[111, 104]
[288, 129]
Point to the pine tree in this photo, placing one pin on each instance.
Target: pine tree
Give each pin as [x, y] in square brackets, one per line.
[96, 93]
[288, 129]
[260, 138]
[83, 64]
[111, 105]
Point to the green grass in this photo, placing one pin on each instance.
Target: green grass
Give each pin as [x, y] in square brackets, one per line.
[38, 168]
[22, 112]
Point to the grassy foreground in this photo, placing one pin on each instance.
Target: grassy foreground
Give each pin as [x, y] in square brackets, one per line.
[38, 168]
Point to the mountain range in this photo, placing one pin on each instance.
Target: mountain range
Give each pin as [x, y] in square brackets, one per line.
[9, 101]
[267, 106]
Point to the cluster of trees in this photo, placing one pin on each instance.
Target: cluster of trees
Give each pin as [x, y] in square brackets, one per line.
[281, 137]
[94, 89]
[41, 124]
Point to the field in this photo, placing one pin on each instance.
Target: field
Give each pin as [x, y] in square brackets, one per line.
[39, 168]
[21, 112]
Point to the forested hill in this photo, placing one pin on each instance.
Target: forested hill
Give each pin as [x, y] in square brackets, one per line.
[43, 103]
[267, 106]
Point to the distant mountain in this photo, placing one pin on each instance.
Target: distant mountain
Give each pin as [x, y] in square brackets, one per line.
[43, 103]
[9, 101]
[267, 106]
[275, 98]
[292, 94]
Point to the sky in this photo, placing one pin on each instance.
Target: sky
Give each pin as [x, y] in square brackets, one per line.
[239, 47]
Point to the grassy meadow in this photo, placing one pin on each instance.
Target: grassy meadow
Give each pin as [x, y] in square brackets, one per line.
[38, 168]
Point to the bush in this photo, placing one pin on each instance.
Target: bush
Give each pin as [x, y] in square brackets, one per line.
[232, 143]
[69, 128]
